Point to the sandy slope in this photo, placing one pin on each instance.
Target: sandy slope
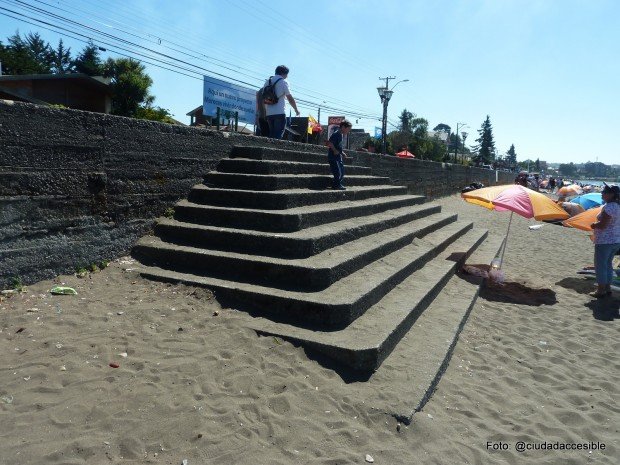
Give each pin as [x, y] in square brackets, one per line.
[538, 361]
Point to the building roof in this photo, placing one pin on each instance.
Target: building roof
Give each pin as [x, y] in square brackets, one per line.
[99, 81]
[195, 111]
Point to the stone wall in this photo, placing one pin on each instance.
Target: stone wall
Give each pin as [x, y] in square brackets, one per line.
[77, 188]
[430, 178]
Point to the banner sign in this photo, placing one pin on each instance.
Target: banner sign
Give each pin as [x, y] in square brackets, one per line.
[378, 133]
[333, 123]
[229, 98]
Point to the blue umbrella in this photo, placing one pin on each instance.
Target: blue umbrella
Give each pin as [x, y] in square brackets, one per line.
[587, 201]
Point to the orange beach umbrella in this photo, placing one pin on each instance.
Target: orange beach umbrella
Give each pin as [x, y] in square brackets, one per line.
[583, 220]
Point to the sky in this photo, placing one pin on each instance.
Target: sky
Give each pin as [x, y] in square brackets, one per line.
[545, 71]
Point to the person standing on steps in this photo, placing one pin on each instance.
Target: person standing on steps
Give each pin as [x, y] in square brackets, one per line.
[336, 155]
[274, 93]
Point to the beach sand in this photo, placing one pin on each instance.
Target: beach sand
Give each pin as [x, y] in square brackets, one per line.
[538, 361]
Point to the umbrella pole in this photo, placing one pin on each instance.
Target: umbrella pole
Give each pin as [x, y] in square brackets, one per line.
[501, 260]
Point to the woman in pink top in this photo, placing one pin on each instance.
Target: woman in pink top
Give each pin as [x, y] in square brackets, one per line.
[606, 240]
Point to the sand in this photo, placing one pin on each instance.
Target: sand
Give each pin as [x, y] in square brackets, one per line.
[537, 361]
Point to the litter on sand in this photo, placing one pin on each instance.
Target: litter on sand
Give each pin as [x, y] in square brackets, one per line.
[62, 290]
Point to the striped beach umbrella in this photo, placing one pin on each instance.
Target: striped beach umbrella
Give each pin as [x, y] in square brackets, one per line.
[516, 199]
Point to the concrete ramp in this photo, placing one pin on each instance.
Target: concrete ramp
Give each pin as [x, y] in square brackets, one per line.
[346, 274]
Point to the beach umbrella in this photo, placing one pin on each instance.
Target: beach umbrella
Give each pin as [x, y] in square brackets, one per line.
[405, 154]
[568, 191]
[583, 220]
[588, 201]
[516, 199]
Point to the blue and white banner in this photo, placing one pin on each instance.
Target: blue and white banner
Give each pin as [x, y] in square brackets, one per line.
[378, 133]
[229, 98]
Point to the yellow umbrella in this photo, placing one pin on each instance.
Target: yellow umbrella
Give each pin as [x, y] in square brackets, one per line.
[583, 220]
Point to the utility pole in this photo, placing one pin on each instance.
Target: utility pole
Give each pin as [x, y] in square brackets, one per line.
[456, 140]
[385, 94]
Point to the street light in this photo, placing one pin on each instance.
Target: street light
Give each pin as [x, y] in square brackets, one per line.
[456, 139]
[464, 136]
[385, 94]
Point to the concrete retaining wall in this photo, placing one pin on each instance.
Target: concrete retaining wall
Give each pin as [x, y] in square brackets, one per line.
[78, 187]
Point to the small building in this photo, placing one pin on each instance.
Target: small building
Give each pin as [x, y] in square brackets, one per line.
[197, 118]
[77, 91]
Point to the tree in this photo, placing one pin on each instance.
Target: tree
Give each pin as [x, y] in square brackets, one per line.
[28, 55]
[511, 156]
[486, 145]
[154, 114]
[405, 121]
[442, 127]
[129, 86]
[88, 61]
[567, 169]
[61, 59]
[537, 164]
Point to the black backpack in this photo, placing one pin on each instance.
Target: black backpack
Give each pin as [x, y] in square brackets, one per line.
[269, 93]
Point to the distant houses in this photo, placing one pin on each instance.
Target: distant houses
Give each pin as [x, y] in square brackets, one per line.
[77, 91]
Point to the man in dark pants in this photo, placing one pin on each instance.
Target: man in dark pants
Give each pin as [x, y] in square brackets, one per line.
[276, 113]
[336, 154]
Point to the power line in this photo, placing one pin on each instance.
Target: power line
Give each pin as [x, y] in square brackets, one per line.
[299, 88]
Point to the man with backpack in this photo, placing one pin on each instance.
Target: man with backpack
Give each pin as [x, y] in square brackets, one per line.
[274, 92]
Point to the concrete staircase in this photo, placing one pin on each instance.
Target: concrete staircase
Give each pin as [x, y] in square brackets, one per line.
[344, 273]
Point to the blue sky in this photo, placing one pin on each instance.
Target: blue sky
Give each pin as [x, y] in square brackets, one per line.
[546, 71]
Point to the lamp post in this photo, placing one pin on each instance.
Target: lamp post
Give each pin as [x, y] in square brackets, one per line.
[456, 139]
[385, 94]
[464, 137]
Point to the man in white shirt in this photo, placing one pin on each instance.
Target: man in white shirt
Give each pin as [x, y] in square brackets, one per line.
[276, 113]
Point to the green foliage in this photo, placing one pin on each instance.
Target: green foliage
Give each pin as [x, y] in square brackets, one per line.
[61, 59]
[154, 114]
[406, 118]
[169, 212]
[130, 86]
[443, 127]
[16, 283]
[486, 146]
[26, 55]
[567, 169]
[89, 61]
[511, 156]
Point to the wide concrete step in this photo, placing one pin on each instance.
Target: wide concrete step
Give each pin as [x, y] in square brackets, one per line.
[298, 244]
[265, 153]
[338, 305]
[293, 219]
[306, 274]
[288, 198]
[274, 182]
[432, 298]
[249, 166]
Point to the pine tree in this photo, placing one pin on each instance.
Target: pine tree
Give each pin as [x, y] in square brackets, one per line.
[88, 61]
[486, 146]
[511, 156]
[405, 121]
[28, 55]
[61, 59]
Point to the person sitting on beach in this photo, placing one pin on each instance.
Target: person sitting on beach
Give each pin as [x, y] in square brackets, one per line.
[606, 240]
[571, 208]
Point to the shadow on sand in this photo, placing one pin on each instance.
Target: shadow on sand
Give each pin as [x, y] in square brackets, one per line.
[605, 309]
[517, 293]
